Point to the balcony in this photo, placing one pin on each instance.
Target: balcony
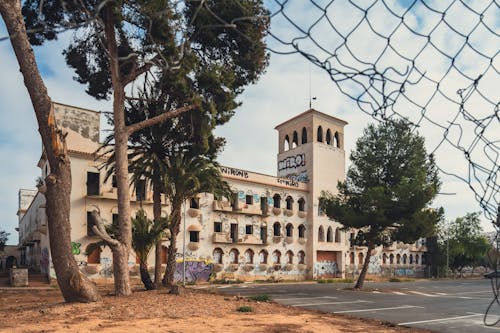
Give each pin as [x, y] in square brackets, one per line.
[224, 206]
[251, 209]
[250, 240]
[302, 214]
[193, 212]
[222, 237]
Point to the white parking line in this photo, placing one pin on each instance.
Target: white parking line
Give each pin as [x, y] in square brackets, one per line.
[299, 298]
[381, 309]
[332, 303]
[440, 319]
[422, 294]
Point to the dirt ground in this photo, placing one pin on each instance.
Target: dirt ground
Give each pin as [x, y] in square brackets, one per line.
[43, 310]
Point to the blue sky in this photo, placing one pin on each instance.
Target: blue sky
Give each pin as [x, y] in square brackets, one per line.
[252, 143]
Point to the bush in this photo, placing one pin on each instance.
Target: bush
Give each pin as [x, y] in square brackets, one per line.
[260, 298]
[394, 279]
[244, 308]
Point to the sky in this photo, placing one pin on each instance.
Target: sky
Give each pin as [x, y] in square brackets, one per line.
[281, 93]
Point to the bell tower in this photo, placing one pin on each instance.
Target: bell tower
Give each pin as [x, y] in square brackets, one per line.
[311, 149]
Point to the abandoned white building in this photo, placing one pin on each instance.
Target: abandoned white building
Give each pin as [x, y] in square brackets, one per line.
[274, 230]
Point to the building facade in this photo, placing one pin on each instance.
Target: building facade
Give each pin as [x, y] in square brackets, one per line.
[274, 228]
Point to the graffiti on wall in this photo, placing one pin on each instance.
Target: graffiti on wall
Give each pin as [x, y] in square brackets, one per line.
[374, 265]
[404, 272]
[326, 268]
[301, 177]
[195, 271]
[292, 162]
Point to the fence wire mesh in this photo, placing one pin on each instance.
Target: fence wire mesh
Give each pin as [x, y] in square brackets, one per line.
[432, 62]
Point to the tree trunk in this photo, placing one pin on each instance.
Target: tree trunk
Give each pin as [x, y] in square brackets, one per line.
[145, 278]
[157, 217]
[168, 279]
[121, 252]
[362, 275]
[74, 286]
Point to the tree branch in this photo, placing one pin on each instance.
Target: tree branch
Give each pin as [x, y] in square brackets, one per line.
[155, 120]
[99, 229]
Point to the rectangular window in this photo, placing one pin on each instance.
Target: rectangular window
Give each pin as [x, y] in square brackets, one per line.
[90, 223]
[113, 181]
[140, 190]
[115, 219]
[194, 236]
[217, 226]
[194, 203]
[249, 229]
[234, 232]
[249, 199]
[263, 204]
[263, 234]
[92, 183]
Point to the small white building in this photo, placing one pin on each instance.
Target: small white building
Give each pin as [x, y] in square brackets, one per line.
[274, 230]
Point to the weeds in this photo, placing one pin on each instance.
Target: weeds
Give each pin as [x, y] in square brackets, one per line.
[244, 308]
[260, 298]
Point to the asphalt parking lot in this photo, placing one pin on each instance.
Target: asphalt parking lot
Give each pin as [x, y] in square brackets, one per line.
[441, 306]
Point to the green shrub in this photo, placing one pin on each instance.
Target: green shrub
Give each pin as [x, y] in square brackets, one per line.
[394, 279]
[260, 298]
[244, 308]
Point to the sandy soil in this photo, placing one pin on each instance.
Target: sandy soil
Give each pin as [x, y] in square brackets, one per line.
[43, 310]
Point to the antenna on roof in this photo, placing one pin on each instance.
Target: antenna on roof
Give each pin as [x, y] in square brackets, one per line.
[310, 97]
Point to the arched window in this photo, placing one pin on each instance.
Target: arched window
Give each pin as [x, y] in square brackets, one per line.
[411, 259]
[276, 229]
[286, 143]
[304, 135]
[249, 256]
[233, 256]
[263, 257]
[360, 258]
[302, 231]
[336, 140]
[328, 137]
[277, 201]
[289, 257]
[391, 259]
[321, 234]
[351, 258]
[404, 259]
[218, 254]
[295, 140]
[289, 230]
[320, 134]
[424, 259]
[302, 205]
[289, 203]
[384, 258]
[337, 235]
[301, 256]
[398, 259]
[329, 235]
[276, 257]
[416, 259]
